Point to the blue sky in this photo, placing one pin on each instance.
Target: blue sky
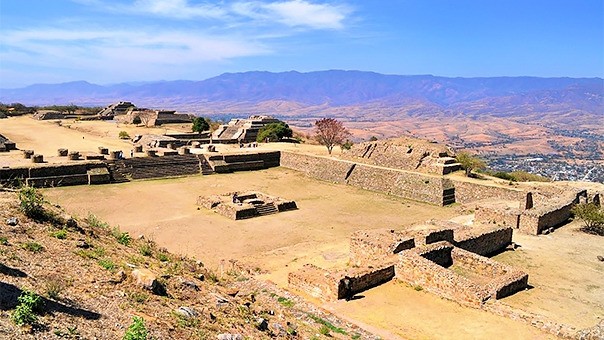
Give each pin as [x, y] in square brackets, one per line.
[113, 41]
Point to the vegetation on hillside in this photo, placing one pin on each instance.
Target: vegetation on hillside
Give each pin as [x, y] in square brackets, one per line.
[66, 277]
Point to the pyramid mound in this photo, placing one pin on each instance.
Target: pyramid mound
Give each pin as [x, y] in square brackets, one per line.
[406, 154]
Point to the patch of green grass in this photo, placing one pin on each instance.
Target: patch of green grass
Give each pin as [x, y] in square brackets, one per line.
[60, 234]
[3, 241]
[163, 257]
[95, 253]
[25, 312]
[138, 297]
[31, 202]
[107, 264]
[145, 249]
[324, 330]
[355, 336]
[95, 222]
[285, 302]
[34, 247]
[418, 288]
[327, 324]
[121, 237]
[137, 330]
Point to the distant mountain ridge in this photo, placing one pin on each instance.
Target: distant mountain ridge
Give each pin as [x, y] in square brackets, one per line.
[333, 89]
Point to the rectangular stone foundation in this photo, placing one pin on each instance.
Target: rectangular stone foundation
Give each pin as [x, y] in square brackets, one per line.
[457, 274]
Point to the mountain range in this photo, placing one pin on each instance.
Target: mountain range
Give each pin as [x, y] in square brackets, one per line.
[495, 95]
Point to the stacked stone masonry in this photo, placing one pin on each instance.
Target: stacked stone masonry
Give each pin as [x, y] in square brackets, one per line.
[415, 186]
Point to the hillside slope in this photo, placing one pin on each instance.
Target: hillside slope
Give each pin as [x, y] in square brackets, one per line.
[83, 269]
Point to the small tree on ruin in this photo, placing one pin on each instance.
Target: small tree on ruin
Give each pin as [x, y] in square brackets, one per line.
[330, 132]
[469, 162]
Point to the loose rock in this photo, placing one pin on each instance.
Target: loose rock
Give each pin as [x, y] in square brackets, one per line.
[12, 221]
[187, 312]
[227, 336]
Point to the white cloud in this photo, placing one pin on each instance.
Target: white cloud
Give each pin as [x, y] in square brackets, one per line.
[295, 13]
[132, 53]
[292, 13]
[179, 9]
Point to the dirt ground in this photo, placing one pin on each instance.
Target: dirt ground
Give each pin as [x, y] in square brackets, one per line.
[568, 280]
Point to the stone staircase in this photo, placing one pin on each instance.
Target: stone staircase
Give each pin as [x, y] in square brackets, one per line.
[266, 209]
[229, 132]
[206, 168]
[115, 172]
[448, 196]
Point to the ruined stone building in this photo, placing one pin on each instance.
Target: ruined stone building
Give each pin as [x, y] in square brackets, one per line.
[241, 130]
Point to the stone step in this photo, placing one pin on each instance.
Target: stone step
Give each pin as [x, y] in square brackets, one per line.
[266, 209]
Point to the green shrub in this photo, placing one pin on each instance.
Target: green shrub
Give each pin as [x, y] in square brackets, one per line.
[95, 253]
[145, 249]
[163, 257]
[327, 324]
[200, 124]
[107, 264]
[60, 234]
[136, 330]
[123, 135]
[31, 202]
[121, 237]
[34, 247]
[274, 132]
[95, 222]
[285, 302]
[3, 241]
[25, 312]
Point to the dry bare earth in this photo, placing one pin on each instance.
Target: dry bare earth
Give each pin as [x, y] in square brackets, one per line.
[85, 298]
[318, 232]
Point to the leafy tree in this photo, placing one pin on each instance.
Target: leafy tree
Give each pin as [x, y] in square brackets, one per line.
[330, 132]
[274, 132]
[469, 162]
[200, 124]
[591, 215]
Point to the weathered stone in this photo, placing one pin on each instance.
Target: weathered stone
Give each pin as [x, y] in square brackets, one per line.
[228, 336]
[600, 258]
[83, 244]
[147, 280]
[232, 292]
[12, 221]
[186, 312]
[261, 324]
[119, 277]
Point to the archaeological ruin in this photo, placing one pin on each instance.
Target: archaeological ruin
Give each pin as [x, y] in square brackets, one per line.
[242, 205]
[241, 130]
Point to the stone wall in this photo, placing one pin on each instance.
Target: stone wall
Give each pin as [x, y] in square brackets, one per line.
[331, 286]
[315, 281]
[554, 213]
[418, 271]
[484, 243]
[365, 278]
[224, 163]
[503, 280]
[504, 216]
[467, 192]
[415, 186]
[458, 274]
[369, 246]
[52, 175]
